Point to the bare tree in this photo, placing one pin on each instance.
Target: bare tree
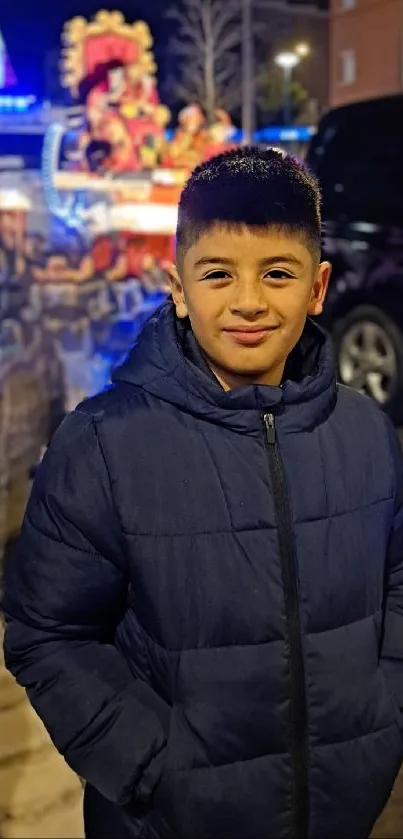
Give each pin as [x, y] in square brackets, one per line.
[208, 35]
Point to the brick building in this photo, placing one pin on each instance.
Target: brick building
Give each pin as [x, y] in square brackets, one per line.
[366, 49]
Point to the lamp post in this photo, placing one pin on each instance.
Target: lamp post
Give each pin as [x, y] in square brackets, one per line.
[248, 86]
[287, 61]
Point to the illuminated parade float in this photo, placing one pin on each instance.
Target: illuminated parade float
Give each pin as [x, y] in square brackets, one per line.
[90, 252]
[112, 169]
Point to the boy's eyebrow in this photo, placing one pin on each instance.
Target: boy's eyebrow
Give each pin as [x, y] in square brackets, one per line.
[214, 260]
[269, 260]
[282, 257]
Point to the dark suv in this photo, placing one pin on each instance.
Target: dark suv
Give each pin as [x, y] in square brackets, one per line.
[358, 157]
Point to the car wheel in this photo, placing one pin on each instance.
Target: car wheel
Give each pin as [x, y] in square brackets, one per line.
[369, 355]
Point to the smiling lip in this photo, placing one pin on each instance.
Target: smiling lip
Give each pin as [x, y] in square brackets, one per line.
[250, 336]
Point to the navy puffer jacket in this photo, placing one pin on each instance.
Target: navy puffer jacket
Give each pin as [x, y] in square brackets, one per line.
[206, 604]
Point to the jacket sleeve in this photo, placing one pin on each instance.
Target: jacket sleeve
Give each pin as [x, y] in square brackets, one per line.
[391, 657]
[65, 591]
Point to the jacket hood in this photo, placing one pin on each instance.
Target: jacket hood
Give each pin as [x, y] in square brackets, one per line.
[166, 362]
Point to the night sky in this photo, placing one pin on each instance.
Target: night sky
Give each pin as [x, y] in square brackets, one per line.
[31, 28]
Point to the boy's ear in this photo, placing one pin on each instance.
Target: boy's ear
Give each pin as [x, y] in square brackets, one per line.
[319, 289]
[177, 293]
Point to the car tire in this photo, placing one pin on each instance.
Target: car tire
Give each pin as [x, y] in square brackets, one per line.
[366, 326]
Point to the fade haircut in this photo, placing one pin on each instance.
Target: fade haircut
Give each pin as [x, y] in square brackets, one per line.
[252, 186]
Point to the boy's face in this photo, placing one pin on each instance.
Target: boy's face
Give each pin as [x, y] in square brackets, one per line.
[247, 295]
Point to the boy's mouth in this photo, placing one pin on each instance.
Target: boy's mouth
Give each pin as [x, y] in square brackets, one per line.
[249, 336]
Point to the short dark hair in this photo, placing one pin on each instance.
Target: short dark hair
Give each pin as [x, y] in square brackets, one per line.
[252, 186]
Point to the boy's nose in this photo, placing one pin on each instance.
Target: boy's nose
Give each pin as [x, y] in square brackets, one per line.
[249, 301]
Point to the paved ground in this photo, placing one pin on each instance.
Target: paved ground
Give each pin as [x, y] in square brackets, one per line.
[390, 825]
[40, 797]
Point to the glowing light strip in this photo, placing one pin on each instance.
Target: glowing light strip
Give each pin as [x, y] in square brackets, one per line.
[16, 103]
[144, 218]
[70, 211]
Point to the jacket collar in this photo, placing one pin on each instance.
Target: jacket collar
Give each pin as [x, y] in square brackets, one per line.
[167, 363]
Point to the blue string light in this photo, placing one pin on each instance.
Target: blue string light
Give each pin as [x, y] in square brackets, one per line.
[71, 211]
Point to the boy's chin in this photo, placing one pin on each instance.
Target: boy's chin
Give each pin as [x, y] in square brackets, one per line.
[249, 366]
[252, 374]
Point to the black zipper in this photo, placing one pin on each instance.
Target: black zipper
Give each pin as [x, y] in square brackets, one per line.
[298, 719]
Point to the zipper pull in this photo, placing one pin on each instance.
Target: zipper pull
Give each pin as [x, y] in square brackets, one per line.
[270, 426]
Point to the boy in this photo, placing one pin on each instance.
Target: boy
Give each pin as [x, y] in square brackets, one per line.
[206, 607]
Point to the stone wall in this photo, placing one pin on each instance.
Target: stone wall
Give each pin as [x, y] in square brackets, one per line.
[40, 797]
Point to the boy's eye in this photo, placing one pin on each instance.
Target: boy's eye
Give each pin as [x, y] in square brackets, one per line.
[278, 274]
[216, 275]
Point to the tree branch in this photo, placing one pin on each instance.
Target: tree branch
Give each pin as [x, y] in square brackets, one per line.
[225, 13]
[187, 93]
[188, 30]
[207, 33]
[227, 43]
[228, 74]
[187, 50]
[188, 17]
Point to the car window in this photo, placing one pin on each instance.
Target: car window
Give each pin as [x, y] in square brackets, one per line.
[357, 155]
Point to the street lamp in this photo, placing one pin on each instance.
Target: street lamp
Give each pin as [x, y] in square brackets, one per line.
[302, 49]
[287, 61]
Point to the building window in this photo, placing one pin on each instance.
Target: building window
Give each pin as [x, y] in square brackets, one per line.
[348, 67]
[348, 4]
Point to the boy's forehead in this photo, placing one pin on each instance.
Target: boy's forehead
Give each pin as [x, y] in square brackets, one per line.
[247, 242]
